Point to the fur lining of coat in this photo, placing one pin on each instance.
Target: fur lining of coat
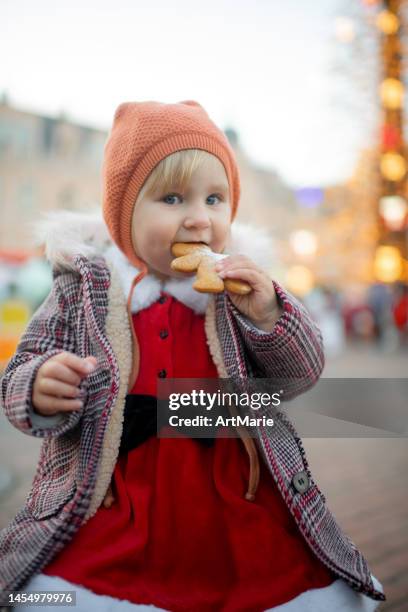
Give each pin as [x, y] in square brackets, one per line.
[67, 233]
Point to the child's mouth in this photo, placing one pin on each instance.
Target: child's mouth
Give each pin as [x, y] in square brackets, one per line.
[191, 242]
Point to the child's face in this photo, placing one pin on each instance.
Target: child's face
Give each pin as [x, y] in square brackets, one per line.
[200, 214]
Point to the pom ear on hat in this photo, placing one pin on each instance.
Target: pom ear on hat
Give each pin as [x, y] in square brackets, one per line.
[121, 110]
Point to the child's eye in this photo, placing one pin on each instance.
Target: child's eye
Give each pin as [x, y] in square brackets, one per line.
[169, 196]
[215, 195]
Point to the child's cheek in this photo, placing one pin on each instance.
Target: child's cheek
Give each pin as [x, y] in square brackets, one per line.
[222, 238]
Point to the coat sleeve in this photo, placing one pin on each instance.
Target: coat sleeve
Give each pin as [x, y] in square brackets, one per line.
[292, 354]
[50, 331]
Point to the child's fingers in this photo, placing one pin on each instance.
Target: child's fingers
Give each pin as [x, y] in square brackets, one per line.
[51, 394]
[253, 277]
[56, 388]
[49, 404]
[82, 366]
[59, 371]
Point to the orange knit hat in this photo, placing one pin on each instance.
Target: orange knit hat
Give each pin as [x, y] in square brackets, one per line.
[142, 134]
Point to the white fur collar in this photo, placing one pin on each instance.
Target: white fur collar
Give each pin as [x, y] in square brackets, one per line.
[148, 289]
[67, 233]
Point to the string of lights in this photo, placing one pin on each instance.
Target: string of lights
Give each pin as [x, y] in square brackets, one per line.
[391, 255]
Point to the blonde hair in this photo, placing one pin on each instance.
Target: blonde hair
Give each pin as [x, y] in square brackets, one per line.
[174, 171]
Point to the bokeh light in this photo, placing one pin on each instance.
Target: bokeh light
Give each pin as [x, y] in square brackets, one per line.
[393, 166]
[300, 280]
[387, 22]
[303, 242]
[392, 93]
[309, 197]
[388, 264]
[394, 210]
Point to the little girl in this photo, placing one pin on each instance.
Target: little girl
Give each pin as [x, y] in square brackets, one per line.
[128, 520]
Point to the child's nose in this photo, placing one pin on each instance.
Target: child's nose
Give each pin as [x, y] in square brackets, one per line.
[198, 218]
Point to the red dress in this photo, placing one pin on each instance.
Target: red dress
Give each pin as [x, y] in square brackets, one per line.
[180, 535]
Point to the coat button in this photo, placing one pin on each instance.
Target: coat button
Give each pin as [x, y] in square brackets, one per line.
[162, 299]
[163, 333]
[301, 482]
[162, 374]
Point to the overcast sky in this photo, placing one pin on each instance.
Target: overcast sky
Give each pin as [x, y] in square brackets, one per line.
[260, 66]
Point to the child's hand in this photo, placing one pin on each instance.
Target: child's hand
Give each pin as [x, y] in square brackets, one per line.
[261, 304]
[59, 378]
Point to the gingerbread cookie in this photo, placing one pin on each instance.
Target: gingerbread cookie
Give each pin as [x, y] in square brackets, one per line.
[197, 256]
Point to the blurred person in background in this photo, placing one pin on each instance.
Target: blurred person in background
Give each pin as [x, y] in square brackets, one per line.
[324, 304]
[400, 312]
[380, 302]
[357, 315]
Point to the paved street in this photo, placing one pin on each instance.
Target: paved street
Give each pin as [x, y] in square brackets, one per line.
[364, 480]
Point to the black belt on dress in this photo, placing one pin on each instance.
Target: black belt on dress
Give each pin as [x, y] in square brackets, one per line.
[140, 422]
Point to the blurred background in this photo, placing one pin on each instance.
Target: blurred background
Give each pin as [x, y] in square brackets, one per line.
[312, 97]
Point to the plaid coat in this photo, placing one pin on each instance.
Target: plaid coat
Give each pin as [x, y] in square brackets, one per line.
[86, 313]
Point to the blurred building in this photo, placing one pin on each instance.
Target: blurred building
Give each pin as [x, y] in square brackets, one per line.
[45, 163]
[266, 202]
